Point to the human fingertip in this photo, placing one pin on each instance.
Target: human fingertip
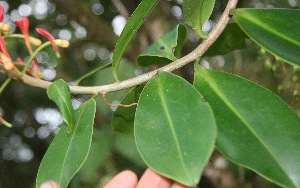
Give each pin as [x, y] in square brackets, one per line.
[49, 184]
[151, 179]
[178, 185]
[125, 178]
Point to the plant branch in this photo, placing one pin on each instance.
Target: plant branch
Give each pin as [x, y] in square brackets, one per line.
[122, 9]
[198, 52]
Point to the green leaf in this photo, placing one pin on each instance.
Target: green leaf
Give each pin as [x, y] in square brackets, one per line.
[256, 129]
[99, 152]
[196, 13]
[166, 49]
[123, 118]
[133, 24]
[277, 30]
[232, 38]
[174, 128]
[68, 151]
[125, 145]
[92, 72]
[59, 92]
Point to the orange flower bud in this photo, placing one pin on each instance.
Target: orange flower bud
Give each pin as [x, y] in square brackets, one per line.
[35, 41]
[62, 43]
[50, 37]
[7, 62]
[4, 27]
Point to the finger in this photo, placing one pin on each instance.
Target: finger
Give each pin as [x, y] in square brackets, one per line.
[178, 185]
[151, 179]
[50, 184]
[125, 179]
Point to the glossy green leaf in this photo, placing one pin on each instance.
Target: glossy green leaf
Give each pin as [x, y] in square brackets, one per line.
[174, 128]
[133, 24]
[166, 49]
[196, 13]
[123, 118]
[59, 92]
[276, 30]
[256, 129]
[68, 151]
[232, 38]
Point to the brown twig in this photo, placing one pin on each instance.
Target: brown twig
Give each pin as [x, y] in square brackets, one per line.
[198, 52]
[116, 105]
[121, 8]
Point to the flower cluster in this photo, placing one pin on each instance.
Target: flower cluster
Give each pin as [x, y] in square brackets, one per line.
[15, 69]
[23, 24]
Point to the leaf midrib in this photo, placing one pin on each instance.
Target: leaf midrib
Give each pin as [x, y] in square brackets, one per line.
[260, 24]
[235, 111]
[174, 134]
[66, 104]
[71, 140]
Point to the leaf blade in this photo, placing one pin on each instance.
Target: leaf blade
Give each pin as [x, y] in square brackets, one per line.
[59, 92]
[280, 39]
[68, 151]
[250, 120]
[166, 49]
[131, 27]
[123, 118]
[159, 128]
[196, 13]
[232, 38]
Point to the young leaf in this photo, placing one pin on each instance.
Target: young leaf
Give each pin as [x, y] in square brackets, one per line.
[232, 38]
[196, 13]
[123, 118]
[256, 129]
[276, 30]
[68, 151]
[166, 49]
[59, 92]
[174, 128]
[133, 24]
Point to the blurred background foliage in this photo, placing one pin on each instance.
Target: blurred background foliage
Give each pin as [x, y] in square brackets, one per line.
[92, 27]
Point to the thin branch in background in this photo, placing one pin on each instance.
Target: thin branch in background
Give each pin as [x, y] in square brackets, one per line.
[198, 52]
[116, 105]
[121, 8]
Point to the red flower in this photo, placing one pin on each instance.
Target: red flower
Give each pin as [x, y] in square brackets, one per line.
[3, 27]
[50, 37]
[1, 13]
[3, 47]
[23, 24]
[5, 57]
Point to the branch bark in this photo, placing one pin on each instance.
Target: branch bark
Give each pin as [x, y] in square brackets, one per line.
[198, 52]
